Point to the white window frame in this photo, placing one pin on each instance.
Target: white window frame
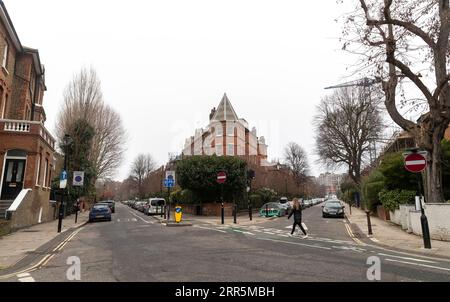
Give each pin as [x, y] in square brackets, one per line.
[219, 130]
[232, 149]
[230, 133]
[38, 169]
[5, 55]
[220, 149]
[44, 179]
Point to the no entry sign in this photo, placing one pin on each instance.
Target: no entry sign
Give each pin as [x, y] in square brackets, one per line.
[221, 177]
[415, 162]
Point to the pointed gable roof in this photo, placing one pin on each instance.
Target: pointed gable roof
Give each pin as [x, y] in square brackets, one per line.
[225, 111]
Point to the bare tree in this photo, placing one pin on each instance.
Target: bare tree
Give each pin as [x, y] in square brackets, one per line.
[141, 168]
[348, 121]
[409, 40]
[297, 161]
[83, 99]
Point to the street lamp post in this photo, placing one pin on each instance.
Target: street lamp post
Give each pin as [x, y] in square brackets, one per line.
[64, 196]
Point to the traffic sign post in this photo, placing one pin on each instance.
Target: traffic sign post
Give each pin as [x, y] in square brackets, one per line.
[416, 162]
[169, 182]
[78, 178]
[221, 179]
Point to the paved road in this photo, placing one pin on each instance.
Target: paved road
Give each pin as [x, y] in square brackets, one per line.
[134, 247]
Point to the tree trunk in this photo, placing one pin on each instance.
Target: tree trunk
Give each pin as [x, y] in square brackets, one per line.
[434, 191]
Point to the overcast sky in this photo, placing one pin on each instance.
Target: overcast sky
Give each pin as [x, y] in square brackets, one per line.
[164, 64]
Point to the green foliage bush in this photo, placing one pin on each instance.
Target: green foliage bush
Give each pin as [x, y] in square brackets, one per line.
[199, 175]
[396, 176]
[391, 199]
[256, 200]
[267, 195]
[370, 188]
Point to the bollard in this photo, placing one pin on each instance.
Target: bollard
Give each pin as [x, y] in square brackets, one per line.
[162, 210]
[168, 213]
[267, 210]
[234, 213]
[425, 230]
[223, 214]
[250, 212]
[369, 225]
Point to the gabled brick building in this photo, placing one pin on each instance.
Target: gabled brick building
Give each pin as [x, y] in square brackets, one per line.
[227, 135]
[26, 147]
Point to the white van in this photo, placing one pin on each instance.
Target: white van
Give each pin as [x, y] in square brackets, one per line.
[155, 206]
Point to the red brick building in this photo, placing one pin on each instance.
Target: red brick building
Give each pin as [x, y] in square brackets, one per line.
[226, 135]
[26, 147]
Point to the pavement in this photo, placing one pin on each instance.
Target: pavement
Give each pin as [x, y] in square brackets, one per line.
[17, 245]
[389, 234]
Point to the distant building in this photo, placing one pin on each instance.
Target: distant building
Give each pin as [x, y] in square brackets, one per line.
[226, 135]
[331, 181]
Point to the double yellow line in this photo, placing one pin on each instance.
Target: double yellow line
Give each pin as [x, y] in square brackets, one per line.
[350, 233]
[46, 258]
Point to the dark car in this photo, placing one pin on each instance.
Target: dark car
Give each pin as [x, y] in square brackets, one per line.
[333, 208]
[111, 204]
[100, 212]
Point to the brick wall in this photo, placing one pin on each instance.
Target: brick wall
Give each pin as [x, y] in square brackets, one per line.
[209, 209]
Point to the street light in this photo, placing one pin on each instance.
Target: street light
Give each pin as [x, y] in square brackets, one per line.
[67, 140]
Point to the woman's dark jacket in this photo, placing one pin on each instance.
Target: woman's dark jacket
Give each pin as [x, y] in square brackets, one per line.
[297, 214]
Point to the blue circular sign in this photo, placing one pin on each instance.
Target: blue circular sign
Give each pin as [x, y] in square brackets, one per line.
[78, 178]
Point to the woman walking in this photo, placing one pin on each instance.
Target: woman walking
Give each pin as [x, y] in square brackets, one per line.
[297, 212]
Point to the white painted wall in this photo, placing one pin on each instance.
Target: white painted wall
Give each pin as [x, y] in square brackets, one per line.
[438, 215]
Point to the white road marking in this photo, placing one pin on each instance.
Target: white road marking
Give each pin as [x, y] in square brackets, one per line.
[118, 220]
[352, 248]
[407, 258]
[27, 279]
[256, 227]
[297, 243]
[419, 264]
[23, 275]
[206, 228]
[133, 219]
[270, 233]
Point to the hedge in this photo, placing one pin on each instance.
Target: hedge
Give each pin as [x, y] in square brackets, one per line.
[393, 198]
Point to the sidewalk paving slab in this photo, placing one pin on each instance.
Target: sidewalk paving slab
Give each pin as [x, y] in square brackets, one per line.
[17, 245]
[388, 234]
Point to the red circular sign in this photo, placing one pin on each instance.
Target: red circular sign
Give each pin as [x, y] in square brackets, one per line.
[221, 177]
[415, 162]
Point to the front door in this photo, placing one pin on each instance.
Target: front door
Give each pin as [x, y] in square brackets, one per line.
[12, 178]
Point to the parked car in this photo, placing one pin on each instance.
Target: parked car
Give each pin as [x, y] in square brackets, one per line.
[272, 209]
[155, 206]
[284, 203]
[100, 212]
[307, 203]
[333, 208]
[111, 204]
[140, 206]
